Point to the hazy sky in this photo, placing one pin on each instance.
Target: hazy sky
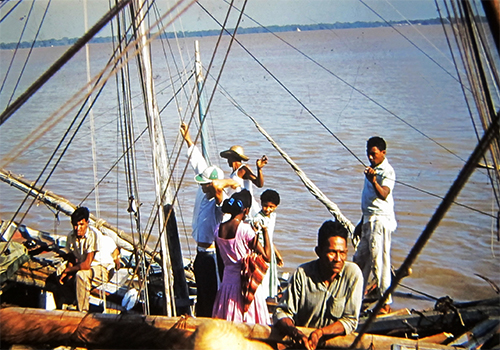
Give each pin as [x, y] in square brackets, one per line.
[65, 18]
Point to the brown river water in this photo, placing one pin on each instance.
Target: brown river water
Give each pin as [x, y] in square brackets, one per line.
[404, 87]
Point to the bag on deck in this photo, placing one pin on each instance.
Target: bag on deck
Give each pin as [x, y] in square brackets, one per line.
[253, 270]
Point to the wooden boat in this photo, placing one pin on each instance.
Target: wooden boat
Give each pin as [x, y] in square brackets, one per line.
[461, 323]
[467, 325]
[449, 324]
[39, 257]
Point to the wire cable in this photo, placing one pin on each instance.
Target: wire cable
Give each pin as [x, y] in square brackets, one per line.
[29, 54]
[17, 47]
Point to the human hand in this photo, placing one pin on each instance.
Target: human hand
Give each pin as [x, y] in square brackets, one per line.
[279, 261]
[260, 163]
[370, 174]
[257, 223]
[300, 338]
[314, 339]
[185, 134]
[184, 129]
[61, 279]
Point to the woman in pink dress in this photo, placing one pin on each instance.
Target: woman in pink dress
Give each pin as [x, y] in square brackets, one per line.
[235, 240]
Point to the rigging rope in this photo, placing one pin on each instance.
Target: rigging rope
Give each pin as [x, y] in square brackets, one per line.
[227, 95]
[29, 55]
[411, 42]
[474, 75]
[156, 213]
[213, 92]
[129, 147]
[331, 132]
[97, 78]
[50, 160]
[74, 101]
[8, 13]
[178, 70]
[343, 81]
[49, 175]
[313, 189]
[91, 120]
[17, 48]
[11, 109]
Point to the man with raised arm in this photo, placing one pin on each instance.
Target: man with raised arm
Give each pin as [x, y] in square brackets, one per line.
[207, 215]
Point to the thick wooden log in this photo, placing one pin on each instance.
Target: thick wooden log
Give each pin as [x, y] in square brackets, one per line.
[111, 331]
[379, 342]
[55, 328]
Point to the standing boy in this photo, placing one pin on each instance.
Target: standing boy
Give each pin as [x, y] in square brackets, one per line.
[269, 200]
[378, 222]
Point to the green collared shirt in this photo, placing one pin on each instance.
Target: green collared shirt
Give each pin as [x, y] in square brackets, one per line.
[309, 302]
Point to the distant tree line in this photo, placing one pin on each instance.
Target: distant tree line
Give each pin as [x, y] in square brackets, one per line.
[275, 29]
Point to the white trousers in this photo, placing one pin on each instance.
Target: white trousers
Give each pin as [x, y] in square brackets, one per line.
[85, 279]
[374, 254]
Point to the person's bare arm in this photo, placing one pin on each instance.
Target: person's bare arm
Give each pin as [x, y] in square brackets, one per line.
[185, 134]
[279, 259]
[220, 185]
[265, 250]
[382, 191]
[327, 332]
[84, 265]
[287, 327]
[257, 180]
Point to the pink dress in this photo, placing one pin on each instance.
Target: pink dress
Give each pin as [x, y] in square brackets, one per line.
[229, 300]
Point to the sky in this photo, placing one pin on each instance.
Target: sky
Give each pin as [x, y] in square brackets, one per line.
[65, 18]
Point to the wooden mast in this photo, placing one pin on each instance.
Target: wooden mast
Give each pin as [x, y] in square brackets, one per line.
[173, 270]
[201, 102]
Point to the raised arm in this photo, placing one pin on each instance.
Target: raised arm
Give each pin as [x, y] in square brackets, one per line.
[257, 180]
[185, 134]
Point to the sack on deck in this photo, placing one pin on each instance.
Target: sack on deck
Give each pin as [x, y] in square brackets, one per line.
[253, 270]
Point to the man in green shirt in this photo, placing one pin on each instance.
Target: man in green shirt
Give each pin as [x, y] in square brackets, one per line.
[325, 293]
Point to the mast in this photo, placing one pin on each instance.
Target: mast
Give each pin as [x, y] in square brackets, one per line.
[201, 101]
[492, 11]
[173, 270]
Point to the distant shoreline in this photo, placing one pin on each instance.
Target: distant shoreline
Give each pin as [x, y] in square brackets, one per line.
[275, 29]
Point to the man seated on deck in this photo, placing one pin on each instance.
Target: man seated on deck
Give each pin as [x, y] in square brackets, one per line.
[325, 294]
[207, 214]
[89, 267]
